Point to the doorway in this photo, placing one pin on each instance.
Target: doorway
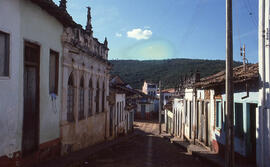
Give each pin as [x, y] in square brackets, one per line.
[111, 120]
[190, 119]
[197, 119]
[202, 122]
[30, 136]
[252, 109]
[206, 118]
[143, 111]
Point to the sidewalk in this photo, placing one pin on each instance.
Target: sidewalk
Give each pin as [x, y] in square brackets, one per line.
[201, 152]
[79, 156]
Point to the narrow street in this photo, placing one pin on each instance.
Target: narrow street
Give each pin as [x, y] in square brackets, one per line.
[145, 149]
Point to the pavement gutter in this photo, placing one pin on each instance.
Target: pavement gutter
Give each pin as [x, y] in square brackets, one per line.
[197, 151]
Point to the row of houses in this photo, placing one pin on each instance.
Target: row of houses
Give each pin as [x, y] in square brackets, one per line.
[198, 112]
[54, 80]
[148, 103]
[122, 102]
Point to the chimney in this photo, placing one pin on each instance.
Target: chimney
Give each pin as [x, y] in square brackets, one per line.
[88, 24]
[63, 5]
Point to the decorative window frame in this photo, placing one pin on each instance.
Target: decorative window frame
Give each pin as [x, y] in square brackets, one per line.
[8, 77]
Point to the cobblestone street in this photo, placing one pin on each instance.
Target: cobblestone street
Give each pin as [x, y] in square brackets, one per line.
[146, 148]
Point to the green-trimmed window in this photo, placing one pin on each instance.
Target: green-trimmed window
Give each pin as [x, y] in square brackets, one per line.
[4, 54]
[218, 115]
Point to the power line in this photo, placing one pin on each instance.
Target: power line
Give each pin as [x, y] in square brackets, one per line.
[252, 9]
[250, 12]
[237, 22]
[193, 22]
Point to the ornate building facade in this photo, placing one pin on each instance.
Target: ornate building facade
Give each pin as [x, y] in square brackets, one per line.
[85, 114]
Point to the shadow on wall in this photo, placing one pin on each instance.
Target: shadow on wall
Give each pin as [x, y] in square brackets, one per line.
[262, 139]
[241, 144]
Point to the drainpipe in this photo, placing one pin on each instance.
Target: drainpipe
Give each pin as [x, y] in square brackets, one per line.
[247, 90]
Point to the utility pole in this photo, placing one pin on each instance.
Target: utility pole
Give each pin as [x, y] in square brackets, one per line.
[160, 107]
[243, 54]
[229, 155]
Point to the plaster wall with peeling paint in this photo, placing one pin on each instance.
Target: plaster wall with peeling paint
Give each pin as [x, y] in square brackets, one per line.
[88, 73]
[41, 28]
[27, 22]
[10, 138]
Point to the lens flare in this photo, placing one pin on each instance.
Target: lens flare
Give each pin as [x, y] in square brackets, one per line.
[151, 50]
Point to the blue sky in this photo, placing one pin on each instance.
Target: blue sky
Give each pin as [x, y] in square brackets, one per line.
[166, 29]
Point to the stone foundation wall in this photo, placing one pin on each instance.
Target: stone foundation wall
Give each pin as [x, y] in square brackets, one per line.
[84, 133]
[47, 151]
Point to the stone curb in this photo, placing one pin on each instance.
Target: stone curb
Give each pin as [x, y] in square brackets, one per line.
[194, 153]
[208, 160]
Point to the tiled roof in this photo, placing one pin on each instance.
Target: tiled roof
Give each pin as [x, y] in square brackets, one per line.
[61, 15]
[239, 75]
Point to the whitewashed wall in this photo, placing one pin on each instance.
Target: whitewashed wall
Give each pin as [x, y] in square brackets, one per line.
[41, 28]
[10, 137]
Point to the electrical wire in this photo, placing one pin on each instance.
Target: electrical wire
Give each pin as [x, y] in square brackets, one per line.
[250, 12]
[237, 22]
[253, 10]
[193, 22]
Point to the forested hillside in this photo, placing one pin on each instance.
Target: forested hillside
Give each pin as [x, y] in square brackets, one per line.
[169, 71]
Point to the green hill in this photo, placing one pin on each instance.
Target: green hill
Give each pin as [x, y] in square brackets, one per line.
[169, 71]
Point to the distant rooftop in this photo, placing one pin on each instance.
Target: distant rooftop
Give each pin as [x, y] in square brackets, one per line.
[239, 75]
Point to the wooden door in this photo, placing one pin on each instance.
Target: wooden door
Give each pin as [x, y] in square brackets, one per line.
[252, 109]
[206, 123]
[190, 119]
[30, 137]
[143, 110]
[111, 121]
[197, 119]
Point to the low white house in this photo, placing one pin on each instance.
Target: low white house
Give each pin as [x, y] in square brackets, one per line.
[30, 52]
[150, 89]
[212, 116]
[199, 114]
[146, 108]
[122, 107]
[120, 114]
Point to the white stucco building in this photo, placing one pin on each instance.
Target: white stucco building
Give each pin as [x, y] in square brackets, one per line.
[122, 108]
[150, 88]
[263, 151]
[43, 53]
[31, 47]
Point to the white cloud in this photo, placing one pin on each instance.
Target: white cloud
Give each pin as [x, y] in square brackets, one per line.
[118, 35]
[139, 34]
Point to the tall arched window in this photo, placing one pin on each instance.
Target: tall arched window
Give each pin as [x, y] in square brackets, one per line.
[90, 108]
[81, 99]
[97, 98]
[117, 113]
[70, 99]
[103, 98]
